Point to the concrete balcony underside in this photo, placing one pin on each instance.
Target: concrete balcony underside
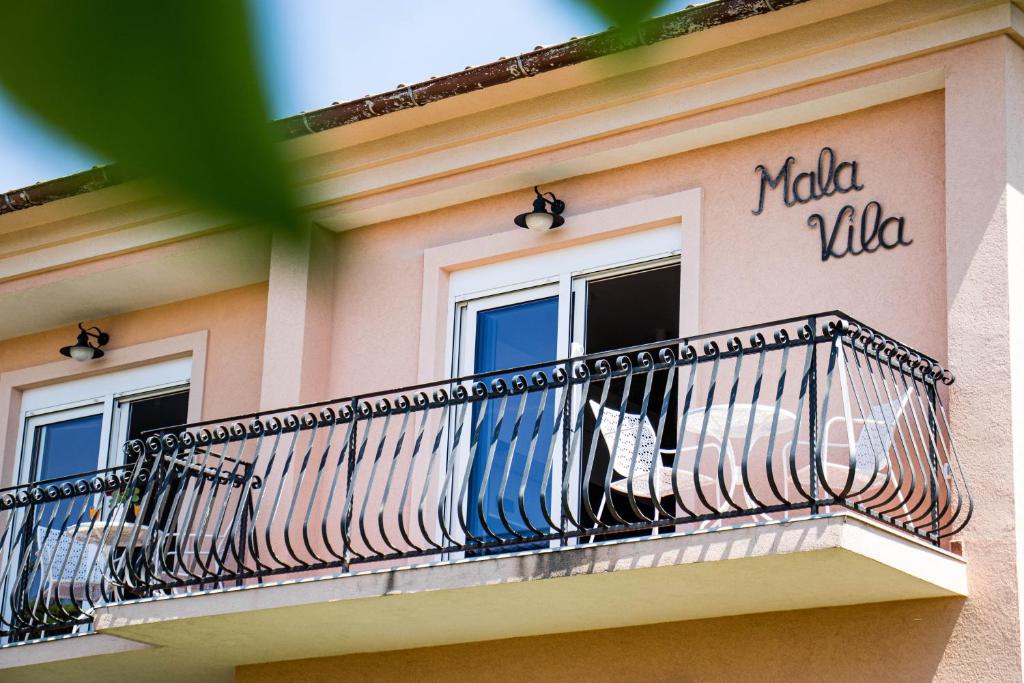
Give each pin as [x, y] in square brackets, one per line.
[802, 564]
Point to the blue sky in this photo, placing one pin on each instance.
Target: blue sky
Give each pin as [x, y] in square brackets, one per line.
[316, 52]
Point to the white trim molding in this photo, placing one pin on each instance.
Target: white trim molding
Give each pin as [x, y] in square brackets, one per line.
[14, 383]
[681, 210]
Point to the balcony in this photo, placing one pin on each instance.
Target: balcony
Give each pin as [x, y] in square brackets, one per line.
[812, 437]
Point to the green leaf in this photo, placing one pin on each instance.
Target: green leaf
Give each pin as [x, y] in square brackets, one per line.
[167, 89]
[624, 14]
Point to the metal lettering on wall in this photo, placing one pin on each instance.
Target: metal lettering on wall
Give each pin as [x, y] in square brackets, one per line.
[852, 232]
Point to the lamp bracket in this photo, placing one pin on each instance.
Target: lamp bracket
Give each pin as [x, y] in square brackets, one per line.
[101, 337]
[557, 205]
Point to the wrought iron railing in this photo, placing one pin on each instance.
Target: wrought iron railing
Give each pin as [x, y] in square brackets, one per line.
[803, 416]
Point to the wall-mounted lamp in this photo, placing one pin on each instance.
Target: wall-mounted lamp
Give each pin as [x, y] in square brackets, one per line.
[83, 349]
[540, 219]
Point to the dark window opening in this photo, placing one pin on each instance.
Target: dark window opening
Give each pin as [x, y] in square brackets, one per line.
[155, 413]
[158, 412]
[622, 311]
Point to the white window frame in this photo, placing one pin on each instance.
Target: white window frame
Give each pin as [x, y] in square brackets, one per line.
[42, 419]
[563, 267]
[580, 292]
[108, 394]
[466, 331]
[122, 406]
[466, 318]
[565, 272]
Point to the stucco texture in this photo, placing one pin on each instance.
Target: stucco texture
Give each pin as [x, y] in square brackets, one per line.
[234, 320]
[753, 268]
[901, 641]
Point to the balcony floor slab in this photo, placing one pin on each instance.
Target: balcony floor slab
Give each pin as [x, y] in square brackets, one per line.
[815, 562]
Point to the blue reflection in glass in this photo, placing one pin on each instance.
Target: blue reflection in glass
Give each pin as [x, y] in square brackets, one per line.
[64, 451]
[506, 337]
[68, 448]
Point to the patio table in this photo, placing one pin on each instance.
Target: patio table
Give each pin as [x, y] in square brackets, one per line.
[759, 420]
[96, 532]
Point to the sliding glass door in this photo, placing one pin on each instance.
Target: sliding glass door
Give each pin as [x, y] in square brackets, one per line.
[61, 445]
[619, 309]
[73, 429]
[498, 332]
[65, 443]
[596, 311]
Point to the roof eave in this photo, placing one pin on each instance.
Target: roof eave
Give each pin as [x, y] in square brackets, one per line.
[471, 79]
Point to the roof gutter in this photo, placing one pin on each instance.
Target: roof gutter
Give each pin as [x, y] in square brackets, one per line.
[577, 51]
[472, 79]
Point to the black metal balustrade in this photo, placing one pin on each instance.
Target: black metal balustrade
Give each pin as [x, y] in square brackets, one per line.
[812, 415]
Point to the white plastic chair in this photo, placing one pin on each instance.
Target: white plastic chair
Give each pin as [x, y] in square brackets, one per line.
[872, 445]
[648, 455]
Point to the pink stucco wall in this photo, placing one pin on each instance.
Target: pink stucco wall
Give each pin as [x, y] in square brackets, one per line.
[753, 268]
[234, 319]
[902, 641]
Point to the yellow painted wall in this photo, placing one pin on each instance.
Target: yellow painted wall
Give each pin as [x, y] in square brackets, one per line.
[904, 641]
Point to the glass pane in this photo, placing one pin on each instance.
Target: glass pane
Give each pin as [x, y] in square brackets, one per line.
[146, 415]
[63, 451]
[507, 337]
[68, 448]
[158, 412]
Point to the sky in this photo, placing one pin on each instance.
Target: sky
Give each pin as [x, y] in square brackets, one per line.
[314, 52]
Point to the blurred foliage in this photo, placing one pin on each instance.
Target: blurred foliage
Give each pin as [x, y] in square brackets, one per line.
[625, 14]
[171, 91]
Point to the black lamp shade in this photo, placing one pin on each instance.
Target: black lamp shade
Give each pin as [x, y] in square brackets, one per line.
[540, 219]
[83, 350]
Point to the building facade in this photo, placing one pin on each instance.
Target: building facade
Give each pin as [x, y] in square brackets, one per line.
[754, 410]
